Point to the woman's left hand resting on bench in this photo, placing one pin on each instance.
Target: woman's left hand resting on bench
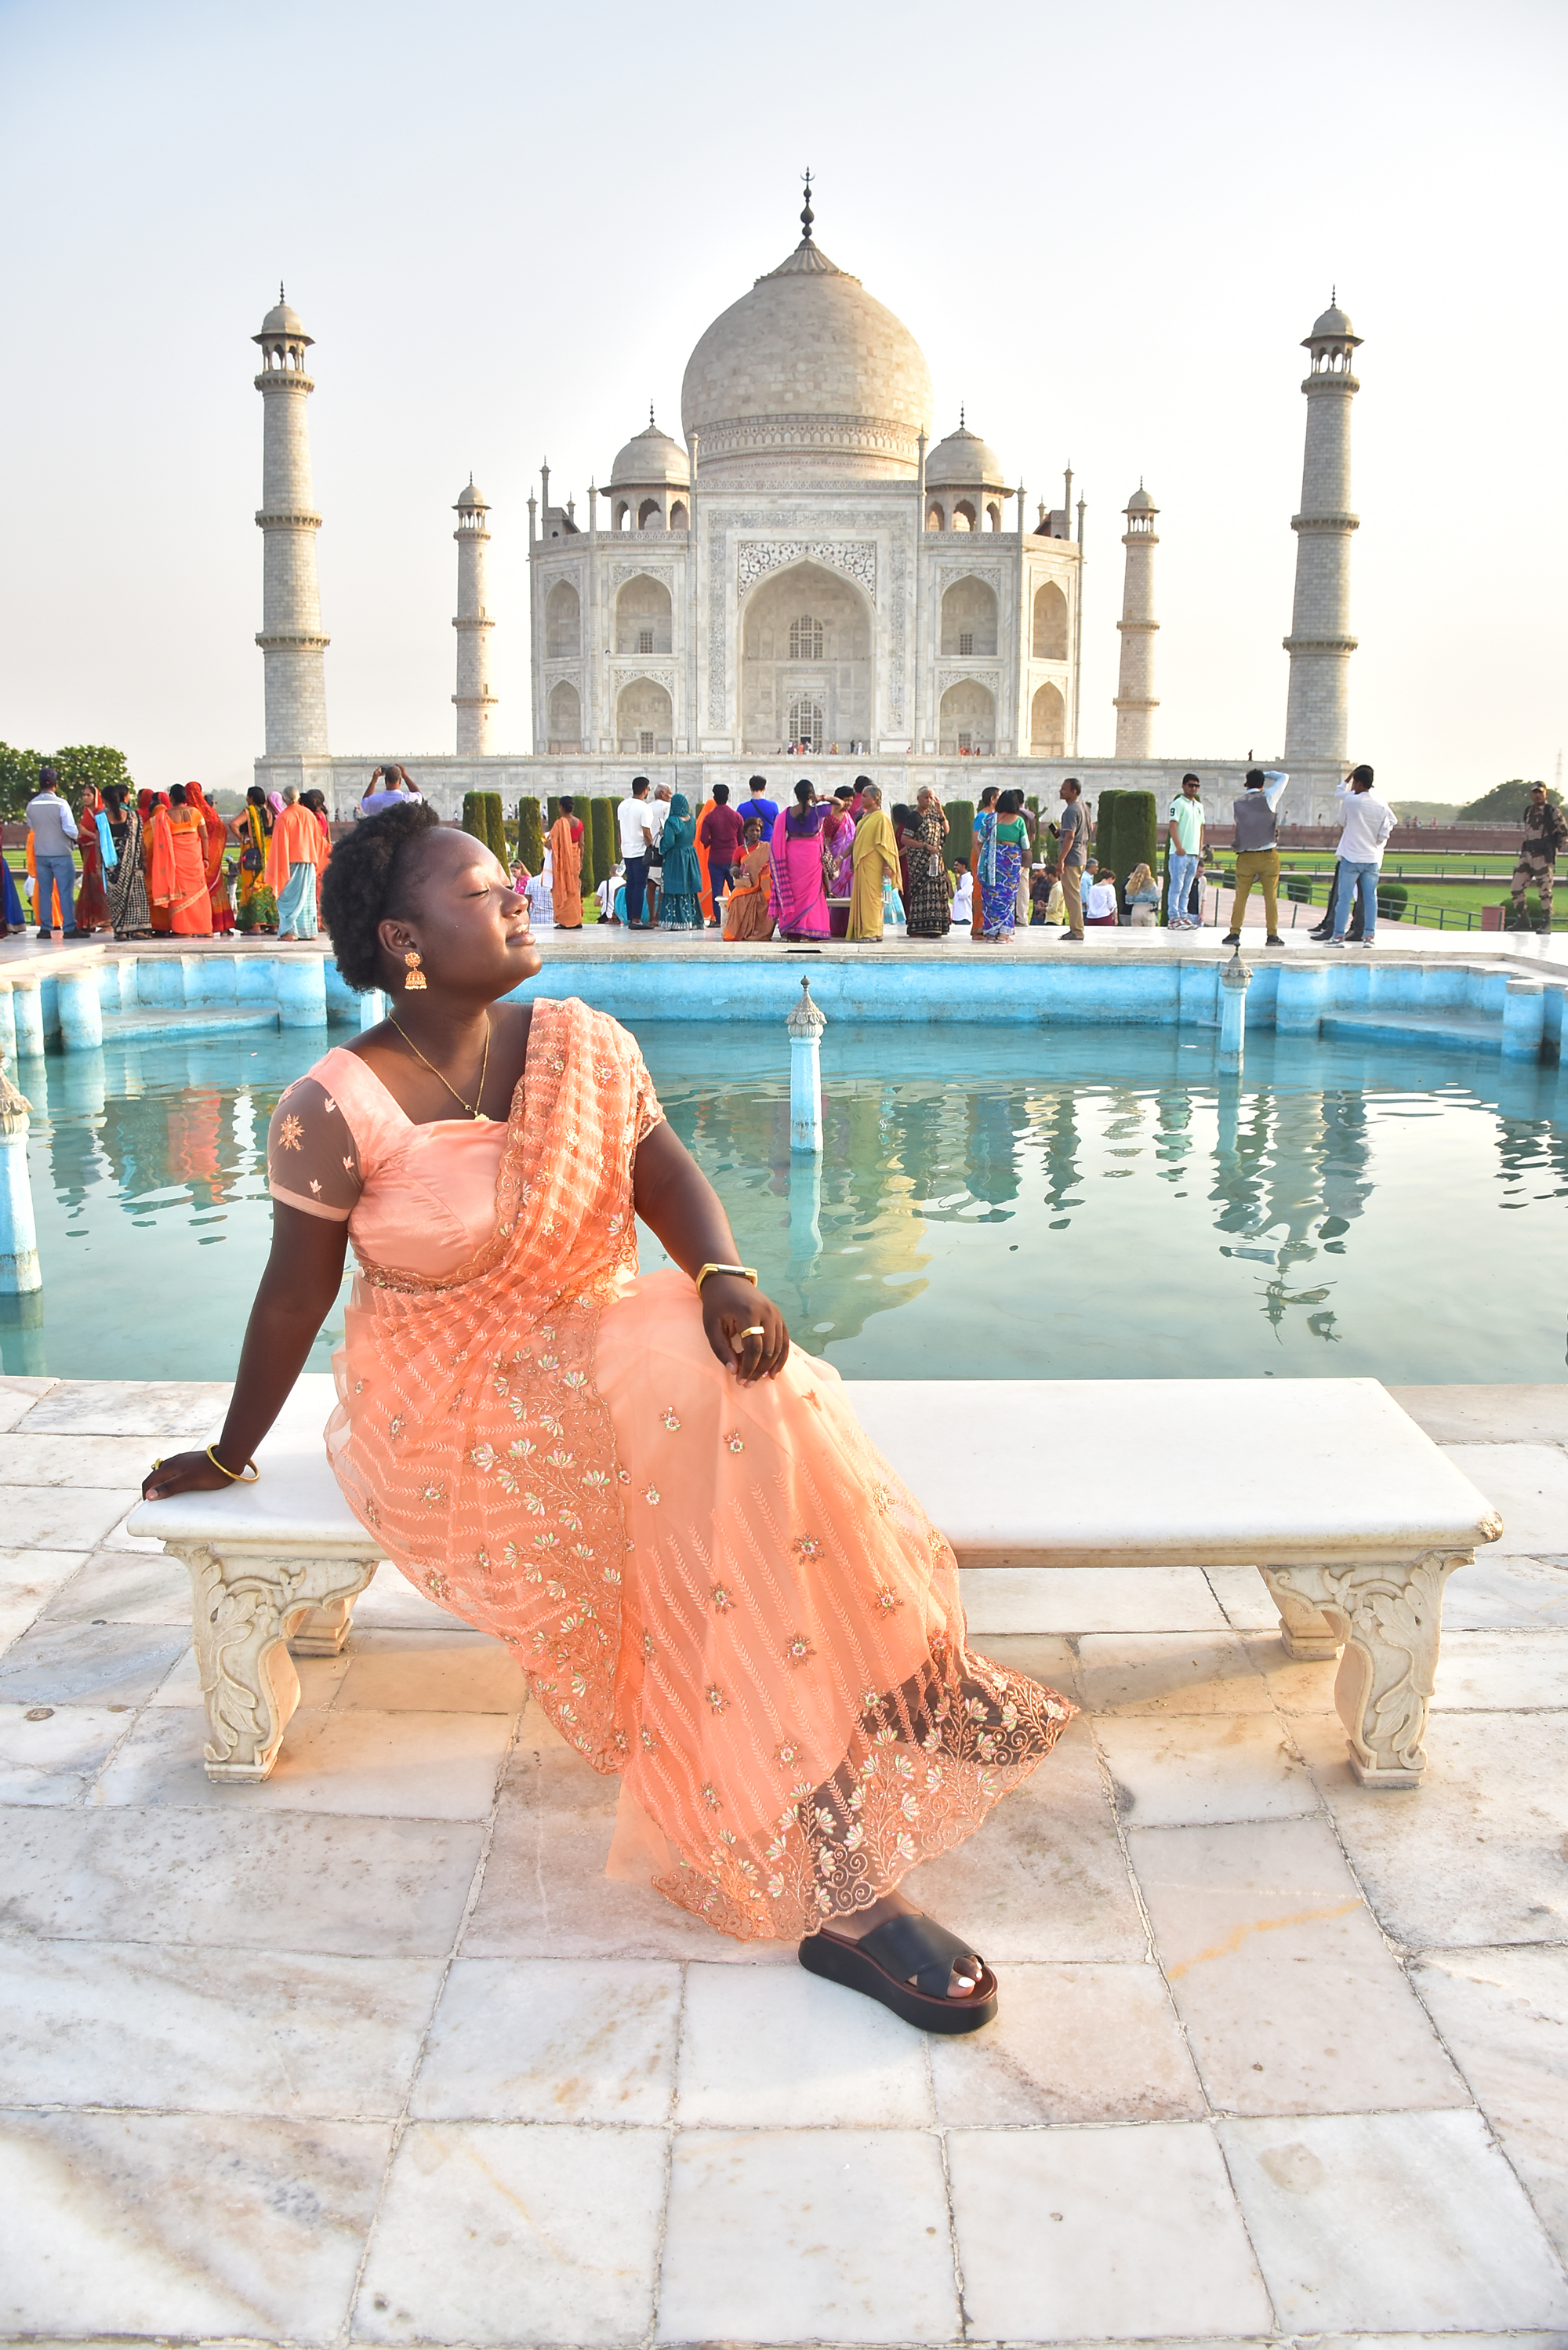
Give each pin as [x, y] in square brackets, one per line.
[298, 1289]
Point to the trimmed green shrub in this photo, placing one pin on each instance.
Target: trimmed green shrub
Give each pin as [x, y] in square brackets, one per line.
[472, 818]
[552, 810]
[530, 834]
[1128, 837]
[583, 809]
[1392, 899]
[961, 831]
[605, 843]
[1298, 891]
[495, 829]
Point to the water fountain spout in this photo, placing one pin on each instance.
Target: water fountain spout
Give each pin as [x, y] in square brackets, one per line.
[19, 1271]
[1234, 980]
[805, 1024]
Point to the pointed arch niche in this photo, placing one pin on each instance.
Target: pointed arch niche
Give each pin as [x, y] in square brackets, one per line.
[1048, 723]
[643, 620]
[807, 640]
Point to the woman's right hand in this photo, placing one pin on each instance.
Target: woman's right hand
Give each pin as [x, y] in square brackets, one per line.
[182, 1472]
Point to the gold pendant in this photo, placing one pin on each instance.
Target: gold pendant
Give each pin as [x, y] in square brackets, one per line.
[482, 1118]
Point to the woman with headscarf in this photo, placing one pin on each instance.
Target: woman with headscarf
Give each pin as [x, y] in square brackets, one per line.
[294, 854]
[1000, 841]
[156, 844]
[253, 830]
[177, 868]
[747, 913]
[929, 907]
[876, 861]
[567, 867]
[215, 844]
[125, 882]
[838, 844]
[799, 904]
[680, 889]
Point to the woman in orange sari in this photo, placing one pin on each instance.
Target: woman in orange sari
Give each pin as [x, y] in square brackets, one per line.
[567, 867]
[747, 912]
[716, 1588]
[177, 868]
[214, 847]
[156, 841]
[92, 906]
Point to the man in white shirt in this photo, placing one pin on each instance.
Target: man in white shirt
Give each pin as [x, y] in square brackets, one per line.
[1368, 821]
[634, 818]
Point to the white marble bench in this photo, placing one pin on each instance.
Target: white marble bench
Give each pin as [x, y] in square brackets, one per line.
[1353, 1516]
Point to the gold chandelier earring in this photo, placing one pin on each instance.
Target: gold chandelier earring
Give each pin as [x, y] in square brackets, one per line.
[416, 978]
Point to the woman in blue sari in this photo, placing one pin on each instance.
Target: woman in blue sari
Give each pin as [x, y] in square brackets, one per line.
[680, 891]
[999, 838]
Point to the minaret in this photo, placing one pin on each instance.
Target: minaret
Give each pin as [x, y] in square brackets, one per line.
[291, 640]
[1135, 704]
[474, 698]
[1320, 643]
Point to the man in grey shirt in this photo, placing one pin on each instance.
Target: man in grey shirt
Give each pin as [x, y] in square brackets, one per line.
[1074, 836]
[54, 829]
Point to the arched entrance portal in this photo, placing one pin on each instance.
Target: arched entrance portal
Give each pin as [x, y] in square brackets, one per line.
[807, 662]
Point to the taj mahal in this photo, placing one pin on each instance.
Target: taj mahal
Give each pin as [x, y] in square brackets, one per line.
[808, 574]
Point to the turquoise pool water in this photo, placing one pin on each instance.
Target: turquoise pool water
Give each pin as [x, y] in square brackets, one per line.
[1011, 1203]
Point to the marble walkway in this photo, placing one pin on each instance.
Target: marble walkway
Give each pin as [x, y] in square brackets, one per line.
[375, 2053]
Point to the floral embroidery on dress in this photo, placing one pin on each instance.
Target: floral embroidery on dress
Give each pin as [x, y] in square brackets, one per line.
[647, 1644]
[433, 1496]
[735, 1441]
[289, 1131]
[806, 1546]
[798, 1648]
[437, 1584]
[715, 1698]
[711, 1797]
[722, 1599]
[668, 1416]
[651, 1495]
[888, 1600]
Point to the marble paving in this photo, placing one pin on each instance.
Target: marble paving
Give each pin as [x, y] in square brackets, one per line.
[375, 2053]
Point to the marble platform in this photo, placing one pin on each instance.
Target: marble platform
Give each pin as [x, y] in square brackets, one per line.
[375, 2053]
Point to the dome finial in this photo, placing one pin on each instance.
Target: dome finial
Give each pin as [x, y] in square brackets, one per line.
[807, 215]
[651, 415]
[963, 425]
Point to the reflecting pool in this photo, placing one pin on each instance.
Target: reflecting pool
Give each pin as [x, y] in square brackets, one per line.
[1340, 1209]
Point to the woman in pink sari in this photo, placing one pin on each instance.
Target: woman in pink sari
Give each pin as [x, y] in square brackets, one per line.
[800, 897]
[716, 1588]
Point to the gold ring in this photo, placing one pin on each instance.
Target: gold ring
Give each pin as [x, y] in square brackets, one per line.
[156, 1466]
[756, 1331]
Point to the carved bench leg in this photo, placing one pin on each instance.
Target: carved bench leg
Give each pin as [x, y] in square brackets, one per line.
[242, 1609]
[321, 1631]
[1307, 1633]
[1389, 1617]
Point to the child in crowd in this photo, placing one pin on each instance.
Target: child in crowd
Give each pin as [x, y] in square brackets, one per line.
[1143, 898]
[1100, 898]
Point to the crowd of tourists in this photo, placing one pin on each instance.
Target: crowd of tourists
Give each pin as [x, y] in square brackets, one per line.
[167, 864]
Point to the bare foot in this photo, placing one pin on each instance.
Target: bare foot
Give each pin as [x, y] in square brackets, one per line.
[961, 1984]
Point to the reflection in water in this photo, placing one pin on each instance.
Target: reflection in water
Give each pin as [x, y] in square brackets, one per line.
[1017, 1203]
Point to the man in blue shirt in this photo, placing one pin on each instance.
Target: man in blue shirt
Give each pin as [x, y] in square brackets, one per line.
[759, 803]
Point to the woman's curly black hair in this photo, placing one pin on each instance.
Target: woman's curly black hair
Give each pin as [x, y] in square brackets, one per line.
[366, 880]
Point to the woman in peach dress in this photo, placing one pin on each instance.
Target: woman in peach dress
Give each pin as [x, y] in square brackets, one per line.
[715, 1586]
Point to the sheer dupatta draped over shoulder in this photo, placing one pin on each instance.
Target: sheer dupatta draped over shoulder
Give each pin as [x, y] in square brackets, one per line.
[722, 1593]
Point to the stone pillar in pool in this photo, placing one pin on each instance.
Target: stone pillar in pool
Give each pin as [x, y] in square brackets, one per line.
[1523, 1020]
[81, 1013]
[805, 1024]
[7, 1022]
[19, 1270]
[28, 1008]
[301, 993]
[1234, 981]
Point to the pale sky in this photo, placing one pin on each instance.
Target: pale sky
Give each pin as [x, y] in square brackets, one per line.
[506, 227]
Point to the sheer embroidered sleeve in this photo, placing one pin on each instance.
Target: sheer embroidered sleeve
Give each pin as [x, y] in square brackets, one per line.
[312, 1162]
[647, 1112]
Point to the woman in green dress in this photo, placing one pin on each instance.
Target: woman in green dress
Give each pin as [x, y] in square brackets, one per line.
[680, 891]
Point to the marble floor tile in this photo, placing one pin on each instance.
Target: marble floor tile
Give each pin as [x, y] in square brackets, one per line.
[28, 1581]
[497, 2234]
[1244, 1598]
[121, 1462]
[389, 1602]
[1502, 1672]
[88, 1664]
[211, 2030]
[776, 2236]
[1088, 1599]
[1045, 1876]
[1101, 2234]
[1507, 1594]
[1504, 2015]
[1168, 1672]
[65, 1517]
[111, 2223]
[1474, 1854]
[1523, 1414]
[451, 1671]
[55, 1759]
[776, 2048]
[546, 1894]
[16, 1402]
[1045, 1656]
[187, 1408]
[1291, 2000]
[124, 1588]
[1391, 2221]
[1529, 1484]
[1293, 1686]
[394, 1888]
[1069, 2044]
[1174, 1773]
[319, 1680]
[553, 2040]
[416, 1766]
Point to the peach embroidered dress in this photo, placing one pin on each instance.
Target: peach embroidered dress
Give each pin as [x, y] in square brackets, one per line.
[724, 1594]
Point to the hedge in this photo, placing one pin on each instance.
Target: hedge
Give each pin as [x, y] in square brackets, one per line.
[604, 828]
[1392, 899]
[961, 831]
[530, 836]
[1128, 837]
[583, 809]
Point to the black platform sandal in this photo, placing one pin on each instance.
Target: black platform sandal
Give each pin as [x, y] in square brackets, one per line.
[883, 1961]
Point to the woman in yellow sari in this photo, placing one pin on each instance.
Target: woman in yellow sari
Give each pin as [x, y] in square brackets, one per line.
[876, 860]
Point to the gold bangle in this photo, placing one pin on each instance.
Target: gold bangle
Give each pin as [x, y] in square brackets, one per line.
[747, 1272]
[235, 1476]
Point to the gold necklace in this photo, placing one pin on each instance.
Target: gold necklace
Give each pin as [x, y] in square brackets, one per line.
[473, 1107]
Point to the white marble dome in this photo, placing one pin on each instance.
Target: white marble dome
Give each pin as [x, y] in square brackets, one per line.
[963, 461]
[282, 320]
[1334, 326]
[806, 376]
[651, 459]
